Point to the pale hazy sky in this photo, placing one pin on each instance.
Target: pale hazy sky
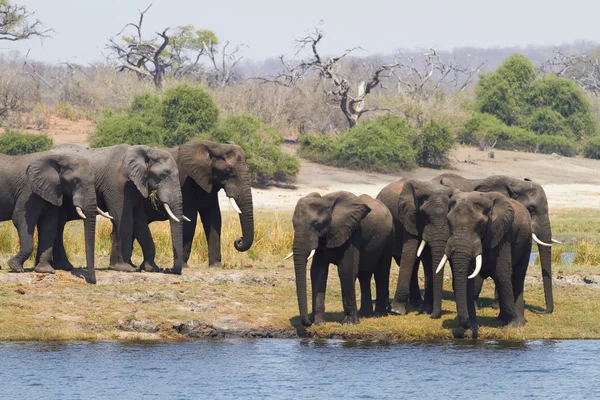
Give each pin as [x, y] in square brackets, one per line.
[268, 27]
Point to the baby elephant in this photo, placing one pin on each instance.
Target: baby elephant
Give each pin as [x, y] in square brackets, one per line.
[354, 233]
[494, 232]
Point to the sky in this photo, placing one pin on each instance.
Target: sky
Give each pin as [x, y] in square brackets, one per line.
[269, 27]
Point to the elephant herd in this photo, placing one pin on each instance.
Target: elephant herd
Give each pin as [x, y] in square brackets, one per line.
[130, 185]
[483, 228]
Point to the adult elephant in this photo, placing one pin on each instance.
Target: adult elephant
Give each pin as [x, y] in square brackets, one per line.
[419, 210]
[490, 235]
[533, 197]
[34, 186]
[124, 177]
[205, 168]
[354, 233]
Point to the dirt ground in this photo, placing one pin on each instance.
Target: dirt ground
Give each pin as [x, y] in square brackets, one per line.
[568, 182]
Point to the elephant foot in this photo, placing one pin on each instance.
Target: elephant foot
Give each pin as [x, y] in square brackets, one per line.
[63, 265]
[351, 319]
[318, 319]
[44, 268]
[436, 314]
[516, 323]
[542, 312]
[427, 309]
[123, 267]
[474, 333]
[214, 264]
[380, 312]
[398, 308]
[15, 265]
[149, 266]
[495, 305]
[365, 312]
[415, 300]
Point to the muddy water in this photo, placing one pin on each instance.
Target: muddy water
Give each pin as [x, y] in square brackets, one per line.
[283, 369]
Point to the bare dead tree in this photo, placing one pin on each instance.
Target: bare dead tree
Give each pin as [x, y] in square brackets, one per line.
[15, 23]
[222, 63]
[432, 74]
[60, 74]
[141, 56]
[583, 69]
[328, 69]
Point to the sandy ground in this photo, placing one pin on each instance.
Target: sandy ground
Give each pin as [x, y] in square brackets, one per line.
[568, 182]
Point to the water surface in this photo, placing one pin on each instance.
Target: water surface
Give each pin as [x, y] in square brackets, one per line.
[301, 369]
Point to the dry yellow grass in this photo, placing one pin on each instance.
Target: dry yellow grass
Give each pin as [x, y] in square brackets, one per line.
[256, 289]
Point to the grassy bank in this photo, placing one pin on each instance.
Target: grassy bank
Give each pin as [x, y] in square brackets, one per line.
[256, 291]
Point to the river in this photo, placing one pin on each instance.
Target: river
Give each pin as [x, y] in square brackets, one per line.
[300, 369]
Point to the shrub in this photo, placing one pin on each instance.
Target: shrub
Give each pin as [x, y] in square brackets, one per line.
[190, 105]
[546, 121]
[434, 143]
[130, 128]
[16, 143]
[261, 144]
[384, 145]
[592, 148]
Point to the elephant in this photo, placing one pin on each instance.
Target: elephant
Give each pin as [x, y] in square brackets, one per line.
[206, 167]
[124, 176]
[533, 197]
[490, 235]
[354, 233]
[419, 209]
[34, 187]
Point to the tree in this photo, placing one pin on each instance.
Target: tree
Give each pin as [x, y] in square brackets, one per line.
[583, 69]
[178, 54]
[15, 23]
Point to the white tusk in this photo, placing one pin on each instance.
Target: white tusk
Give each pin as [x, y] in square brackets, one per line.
[312, 253]
[556, 241]
[171, 215]
[186, 219]
[288, 256]
[421, 247]
[103, 213]
[80, 212]
[442, 263]
[539, 242]
[477, 267]
[234, 205]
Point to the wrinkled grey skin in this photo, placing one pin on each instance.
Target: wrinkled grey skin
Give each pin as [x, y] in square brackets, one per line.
[533, 197]
[419, 209]
[354, 233]
[206, 167]
[34, 187]
[124, 176]
[499, 228]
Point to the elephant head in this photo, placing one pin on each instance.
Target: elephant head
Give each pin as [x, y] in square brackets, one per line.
[214, 166]
[478, 222]
[325, 222]
[53, 176]
[154, 170]
[533, 197]
[422, 210]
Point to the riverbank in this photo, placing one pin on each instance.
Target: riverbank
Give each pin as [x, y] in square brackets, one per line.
[253, 294]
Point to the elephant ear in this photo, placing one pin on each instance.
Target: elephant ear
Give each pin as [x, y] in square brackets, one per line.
[195, 159]
[136, 167]
[407, 207]
[346, 214]
[501, 217]
[498, 183]
[44, 180]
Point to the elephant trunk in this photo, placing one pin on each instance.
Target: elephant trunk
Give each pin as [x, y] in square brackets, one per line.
[171, 195]
[438, 248]
[544, 233]
[244, 201]
[89, 226]
[461, 263]
[301, 252]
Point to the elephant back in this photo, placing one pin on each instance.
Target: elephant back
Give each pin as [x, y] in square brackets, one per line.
[377, 228]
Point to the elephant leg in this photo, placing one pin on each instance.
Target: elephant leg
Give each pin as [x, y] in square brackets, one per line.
[428, 298]
[503, 283]
[366, 301]
[495, 305]
[46, 236]
[382, 286]
[123, 236]
[478, 286]
[414, 290]
[25, 222]
[318, 276]
[471, 308]
[518, 283]
[144, 237]
[211, 221]
[348, 272]
[60, 259]
[114, 251]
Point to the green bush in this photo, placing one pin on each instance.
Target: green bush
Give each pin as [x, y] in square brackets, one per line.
[16, 143]
[592, 148]
[190, 105]
[546, 121]
[130, 128]
[433, 144]
[387, 144]
[261, 144]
